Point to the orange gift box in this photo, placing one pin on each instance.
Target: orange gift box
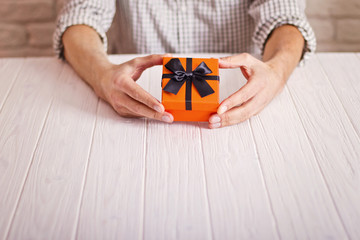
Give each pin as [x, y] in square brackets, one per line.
[190, 88]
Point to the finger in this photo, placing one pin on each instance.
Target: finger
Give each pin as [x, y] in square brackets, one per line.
[149, 61]
[243, 59]
[124, 112]
[249, 90]
[142, 63]
[136, 92]
[238, 114]
[140, 109]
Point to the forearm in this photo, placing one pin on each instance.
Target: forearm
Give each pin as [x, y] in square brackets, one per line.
[283, 50]
[84, 51]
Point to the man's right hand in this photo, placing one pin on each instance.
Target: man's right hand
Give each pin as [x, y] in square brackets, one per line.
[118, 87]
[116, 84]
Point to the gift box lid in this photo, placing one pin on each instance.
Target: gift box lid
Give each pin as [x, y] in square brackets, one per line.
[201, 73]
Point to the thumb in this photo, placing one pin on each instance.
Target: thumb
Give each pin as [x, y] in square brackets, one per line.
[149, 61]
[235, 61]
[140, 64]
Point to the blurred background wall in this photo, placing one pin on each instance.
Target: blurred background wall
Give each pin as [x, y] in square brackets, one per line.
[26, 26]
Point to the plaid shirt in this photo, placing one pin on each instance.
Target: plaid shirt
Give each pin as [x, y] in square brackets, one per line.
[185, 26]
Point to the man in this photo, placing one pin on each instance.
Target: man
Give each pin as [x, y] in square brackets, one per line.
[277, 28]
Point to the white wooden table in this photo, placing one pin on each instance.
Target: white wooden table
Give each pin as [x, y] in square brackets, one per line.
[70, 168]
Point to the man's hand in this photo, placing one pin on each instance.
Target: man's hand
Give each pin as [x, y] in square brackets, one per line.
[115, 84]
[119, 88]
[266, 78]
[263, 84]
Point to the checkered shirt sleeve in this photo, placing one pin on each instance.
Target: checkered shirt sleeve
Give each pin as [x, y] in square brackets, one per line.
[270, 14]
[97, 14]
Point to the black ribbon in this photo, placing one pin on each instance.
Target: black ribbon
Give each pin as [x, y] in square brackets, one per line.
[197, 77]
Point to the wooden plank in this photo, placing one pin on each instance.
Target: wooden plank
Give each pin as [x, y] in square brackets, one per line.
[343, 72]
[9, 69]
[176, 205]
[113, 197]
[112, 205]
[333, 138]
[239, 204]
[55, 181]
[21, 121]
[300, 200]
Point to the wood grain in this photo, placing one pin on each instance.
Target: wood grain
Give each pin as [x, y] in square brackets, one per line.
[176, 205]
[113, 196]
[334, 140]
[71, 168]
[54, 184]
[239, 204]
[299, 197]
[9, 70]
[112, 205]
[21, 122]
[345, 82]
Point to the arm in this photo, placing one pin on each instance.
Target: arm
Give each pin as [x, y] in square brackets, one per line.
[266, 78]
[283, 50]
[88, 58]
[115, 84]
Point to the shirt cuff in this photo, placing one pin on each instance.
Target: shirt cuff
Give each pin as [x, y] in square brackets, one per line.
[69, 19]
[263, 31]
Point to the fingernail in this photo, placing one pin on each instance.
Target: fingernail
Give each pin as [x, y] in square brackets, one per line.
[166, 118]
[215, 119]
[158, 109]
[222, 109]
[216, 125]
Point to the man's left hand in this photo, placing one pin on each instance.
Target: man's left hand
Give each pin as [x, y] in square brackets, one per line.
[263, 84]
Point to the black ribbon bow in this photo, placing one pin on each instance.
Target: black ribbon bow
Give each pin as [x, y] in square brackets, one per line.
[197, 77]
